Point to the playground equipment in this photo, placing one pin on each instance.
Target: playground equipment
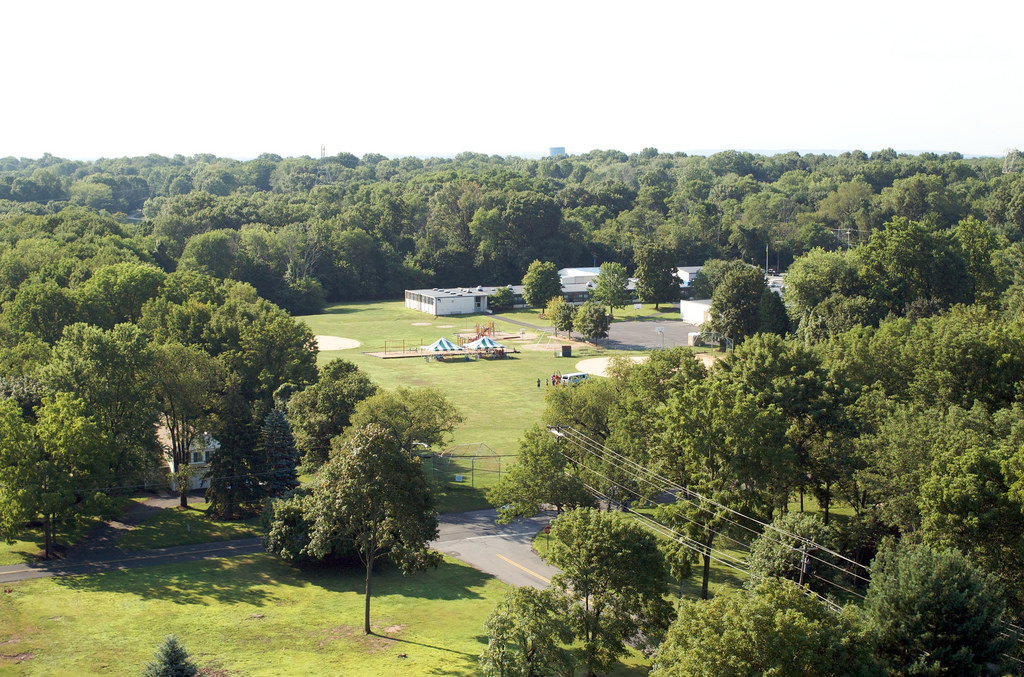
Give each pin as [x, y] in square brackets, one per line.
[484, 330]
[402, 345]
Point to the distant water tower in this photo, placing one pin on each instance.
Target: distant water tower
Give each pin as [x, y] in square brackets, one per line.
[556, 151]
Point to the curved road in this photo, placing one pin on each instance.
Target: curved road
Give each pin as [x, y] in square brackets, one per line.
[504, 551]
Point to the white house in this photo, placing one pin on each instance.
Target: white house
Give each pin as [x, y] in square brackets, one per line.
[200, 455]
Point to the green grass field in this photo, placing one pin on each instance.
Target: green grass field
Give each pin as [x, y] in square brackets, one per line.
[498, 398]
[249, 615]
[252, 615]
[176, 526]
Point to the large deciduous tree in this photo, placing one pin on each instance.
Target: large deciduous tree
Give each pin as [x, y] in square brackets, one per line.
[541, 284]
[322, 411]
[656, 280]
[186, 379]
[543, 475]
[54, 469]
[112, 372]
[774, 629]
[373, 494]
[525, 634]
[610, 286]
[412, 415]
[560, 314]
[613, 575]
[734, 303]
[721, 444]
[591, 321]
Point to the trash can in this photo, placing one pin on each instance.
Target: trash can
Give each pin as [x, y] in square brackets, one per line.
[566, 351]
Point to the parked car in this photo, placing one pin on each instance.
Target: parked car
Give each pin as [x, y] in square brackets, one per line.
[574, 379]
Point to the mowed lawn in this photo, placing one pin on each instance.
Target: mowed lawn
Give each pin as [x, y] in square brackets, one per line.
[498, 398]
[248, 615]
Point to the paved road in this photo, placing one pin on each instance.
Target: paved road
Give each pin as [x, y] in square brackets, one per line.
[504, 551]
[98, 551]
[123, 559]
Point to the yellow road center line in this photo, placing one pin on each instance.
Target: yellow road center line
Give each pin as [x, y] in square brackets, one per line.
[520, 566]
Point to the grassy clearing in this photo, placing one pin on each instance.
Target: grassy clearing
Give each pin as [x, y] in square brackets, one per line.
[249, 615]
[252, 615]
[498, 399]
[176, 526]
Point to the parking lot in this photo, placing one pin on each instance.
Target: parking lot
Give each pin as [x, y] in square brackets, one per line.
[644, 335]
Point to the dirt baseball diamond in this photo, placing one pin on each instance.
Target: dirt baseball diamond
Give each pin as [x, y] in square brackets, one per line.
[598, 366]
[335, 343]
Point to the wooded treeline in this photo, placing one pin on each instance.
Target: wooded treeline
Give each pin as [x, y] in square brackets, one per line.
[302, 230]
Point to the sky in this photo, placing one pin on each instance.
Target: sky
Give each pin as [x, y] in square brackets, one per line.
[109, 78]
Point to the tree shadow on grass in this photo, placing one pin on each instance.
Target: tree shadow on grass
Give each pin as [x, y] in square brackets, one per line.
[449, 581]
[251, 579]
[340, 310]
[428, 646]
[244, 579]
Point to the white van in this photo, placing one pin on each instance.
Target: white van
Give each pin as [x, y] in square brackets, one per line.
[574, 379]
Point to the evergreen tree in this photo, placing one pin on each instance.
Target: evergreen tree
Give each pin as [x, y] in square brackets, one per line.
[281, 455]
[237, 473]
[171, 660]
[934, 612]
[772, 317]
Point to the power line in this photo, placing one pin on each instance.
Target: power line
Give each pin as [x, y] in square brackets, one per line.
[641, 473]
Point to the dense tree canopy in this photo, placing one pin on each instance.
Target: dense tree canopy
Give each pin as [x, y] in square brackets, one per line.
[135, 289]
[775, 629]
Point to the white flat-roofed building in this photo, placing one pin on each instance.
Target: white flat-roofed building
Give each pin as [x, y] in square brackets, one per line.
[577, 284]
[449, 301]
[578, 275]
[695, 312]
[469, 300]
[686, 274]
